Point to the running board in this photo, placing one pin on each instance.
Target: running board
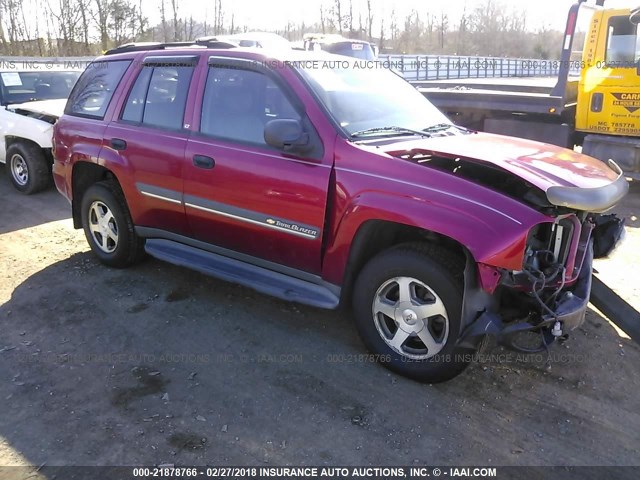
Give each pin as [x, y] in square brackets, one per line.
[261, 279]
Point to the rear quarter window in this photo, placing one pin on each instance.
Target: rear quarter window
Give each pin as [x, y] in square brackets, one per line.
[95, 88]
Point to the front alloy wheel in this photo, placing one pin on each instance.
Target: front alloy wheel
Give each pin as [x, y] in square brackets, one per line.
[411, 318]
[407, 304]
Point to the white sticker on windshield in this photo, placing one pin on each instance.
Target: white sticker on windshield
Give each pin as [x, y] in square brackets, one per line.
[11, 79]
[357, 46]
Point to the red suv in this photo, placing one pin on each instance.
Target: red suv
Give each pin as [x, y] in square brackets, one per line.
[313, 179]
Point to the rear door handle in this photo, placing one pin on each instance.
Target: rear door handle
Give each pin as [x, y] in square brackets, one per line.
[118, 144]
[202, 161]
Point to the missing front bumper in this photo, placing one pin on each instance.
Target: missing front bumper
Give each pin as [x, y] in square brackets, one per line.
[570, 311]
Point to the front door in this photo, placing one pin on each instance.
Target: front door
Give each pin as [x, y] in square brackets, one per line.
[243, 195]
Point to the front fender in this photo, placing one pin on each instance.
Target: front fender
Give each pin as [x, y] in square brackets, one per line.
[19, 126]
[490, 235]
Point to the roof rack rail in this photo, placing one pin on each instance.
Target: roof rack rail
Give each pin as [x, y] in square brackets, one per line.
[208, 42]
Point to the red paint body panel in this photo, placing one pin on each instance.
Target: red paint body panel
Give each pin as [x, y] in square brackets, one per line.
[265, 182]
[366, 189]
[542, 164]
[81, 142]
[152, 157]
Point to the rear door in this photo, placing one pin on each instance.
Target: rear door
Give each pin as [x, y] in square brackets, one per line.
[150, 136]
[241, 194]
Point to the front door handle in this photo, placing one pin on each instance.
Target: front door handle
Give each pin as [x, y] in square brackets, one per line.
[118, 144]
[202, 161]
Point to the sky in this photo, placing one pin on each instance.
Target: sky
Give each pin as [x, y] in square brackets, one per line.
[274, 14]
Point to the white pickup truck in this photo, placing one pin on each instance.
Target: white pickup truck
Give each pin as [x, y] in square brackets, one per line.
[31, 101]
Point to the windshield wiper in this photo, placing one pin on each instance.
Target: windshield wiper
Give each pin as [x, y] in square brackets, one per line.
[393, 129]
[439, 127]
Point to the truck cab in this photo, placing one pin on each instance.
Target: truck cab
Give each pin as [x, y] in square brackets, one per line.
[609, 94]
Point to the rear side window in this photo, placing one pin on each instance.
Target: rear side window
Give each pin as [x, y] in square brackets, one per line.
[159, 95]
[96, 86]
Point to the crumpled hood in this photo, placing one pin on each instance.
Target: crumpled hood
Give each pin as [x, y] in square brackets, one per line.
[540, 164]
[48, 107]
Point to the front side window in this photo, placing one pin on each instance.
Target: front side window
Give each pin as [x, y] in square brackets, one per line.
[96, 86]
[237, 104]
[158, 96]
[623, 43]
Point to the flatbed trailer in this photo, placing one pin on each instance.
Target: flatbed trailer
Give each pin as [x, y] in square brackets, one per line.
[522, 107]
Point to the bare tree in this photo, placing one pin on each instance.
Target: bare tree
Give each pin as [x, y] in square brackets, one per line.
[83, 6]
[337, 12]
[323, 19]
[442, 28]
[218, 14]
[101, 19]
[163, 17]
[463, 27]
[176, 30]
[369, 20]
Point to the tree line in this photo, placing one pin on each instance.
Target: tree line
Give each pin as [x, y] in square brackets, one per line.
[89, 27]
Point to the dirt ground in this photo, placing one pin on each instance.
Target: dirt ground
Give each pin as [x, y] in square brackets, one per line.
[158, 364]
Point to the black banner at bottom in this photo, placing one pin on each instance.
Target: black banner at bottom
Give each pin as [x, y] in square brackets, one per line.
[321, 473]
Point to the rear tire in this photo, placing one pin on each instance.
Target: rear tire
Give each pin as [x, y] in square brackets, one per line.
[408, 303]
[28, 168]
[108, 226]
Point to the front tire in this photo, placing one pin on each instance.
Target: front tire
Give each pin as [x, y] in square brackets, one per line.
[108, 226]
[408, 304]
[28, 168]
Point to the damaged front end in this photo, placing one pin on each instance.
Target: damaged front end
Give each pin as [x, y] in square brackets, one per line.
[529, 309]
[546, 298]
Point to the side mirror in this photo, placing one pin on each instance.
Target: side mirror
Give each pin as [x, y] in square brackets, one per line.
[287, 135]
[635, 16]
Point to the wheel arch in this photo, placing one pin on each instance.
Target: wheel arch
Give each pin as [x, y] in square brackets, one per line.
[12, 139]
[375, 236]
[83, 175]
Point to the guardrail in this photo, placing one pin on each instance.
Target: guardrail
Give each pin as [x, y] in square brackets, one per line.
[445, 67]
[413, 67]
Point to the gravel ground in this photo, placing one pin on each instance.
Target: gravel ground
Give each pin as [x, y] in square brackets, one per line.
[157, 364]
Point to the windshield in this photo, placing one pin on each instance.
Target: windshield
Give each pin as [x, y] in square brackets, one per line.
[349, 49]
[362, 98]
[20, 87]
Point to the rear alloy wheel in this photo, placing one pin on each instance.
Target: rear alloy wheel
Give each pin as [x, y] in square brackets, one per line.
[103, 227]
[28, 168]
[108, 226]
[408, 304]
